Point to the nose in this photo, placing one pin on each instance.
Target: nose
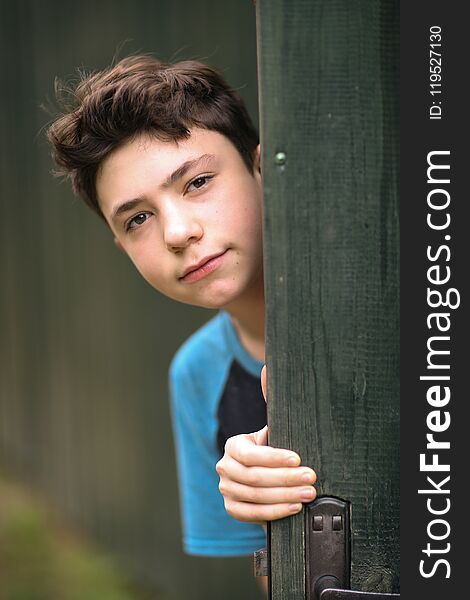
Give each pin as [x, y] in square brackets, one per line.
[181, 228]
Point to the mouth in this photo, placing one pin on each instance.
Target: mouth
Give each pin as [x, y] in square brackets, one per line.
[204, 267]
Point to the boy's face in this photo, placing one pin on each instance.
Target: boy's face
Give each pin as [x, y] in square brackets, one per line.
[186, 206]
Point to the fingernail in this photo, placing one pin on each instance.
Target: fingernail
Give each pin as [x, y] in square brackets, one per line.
[306, 493]
[293, 460]
[307, 477]
[294, 508]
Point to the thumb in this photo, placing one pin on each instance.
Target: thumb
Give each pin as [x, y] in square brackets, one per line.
[264, 383]
[261, 437]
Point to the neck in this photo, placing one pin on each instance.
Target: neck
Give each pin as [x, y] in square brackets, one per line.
[248, 319]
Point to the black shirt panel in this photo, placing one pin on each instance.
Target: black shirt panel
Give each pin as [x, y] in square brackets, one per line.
[242, 408]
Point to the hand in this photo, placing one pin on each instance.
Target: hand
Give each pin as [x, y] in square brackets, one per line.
[260, 483]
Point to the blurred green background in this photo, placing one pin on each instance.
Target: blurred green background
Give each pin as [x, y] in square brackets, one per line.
[85, 342]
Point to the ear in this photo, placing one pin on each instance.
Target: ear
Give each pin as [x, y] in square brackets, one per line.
[258, 158]
[118, 244]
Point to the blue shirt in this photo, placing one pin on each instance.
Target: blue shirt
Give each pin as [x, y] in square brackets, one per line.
[215, 393]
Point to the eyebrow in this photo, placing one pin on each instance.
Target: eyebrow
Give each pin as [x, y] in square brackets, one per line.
[185, 167]
[125, 207]
[177, 174]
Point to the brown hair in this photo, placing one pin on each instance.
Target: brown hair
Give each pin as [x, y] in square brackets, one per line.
[138, 95]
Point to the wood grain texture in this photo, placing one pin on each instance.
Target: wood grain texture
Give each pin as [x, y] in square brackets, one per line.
[328, 79]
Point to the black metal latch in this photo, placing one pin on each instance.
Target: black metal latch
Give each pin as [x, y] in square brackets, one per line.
[328, 553]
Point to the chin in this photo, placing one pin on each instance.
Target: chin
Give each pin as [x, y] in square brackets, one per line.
[216, 299]
[213, 303]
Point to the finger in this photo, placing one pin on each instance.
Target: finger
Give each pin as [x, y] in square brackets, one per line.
[258, 513]
[264, 383]
[261, 437]
[244, 449]
[266, 495]
[265, 476]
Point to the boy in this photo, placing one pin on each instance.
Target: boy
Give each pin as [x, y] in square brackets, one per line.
[168, 157]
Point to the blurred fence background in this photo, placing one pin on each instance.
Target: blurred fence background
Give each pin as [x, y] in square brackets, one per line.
[85, 342]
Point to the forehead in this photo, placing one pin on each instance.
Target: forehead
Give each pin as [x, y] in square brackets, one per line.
[145, 160]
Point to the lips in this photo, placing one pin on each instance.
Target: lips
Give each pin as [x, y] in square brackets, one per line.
[203, 267]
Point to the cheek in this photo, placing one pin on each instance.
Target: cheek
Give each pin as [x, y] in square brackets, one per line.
[147, 264]
[254, 221]
[246, 216]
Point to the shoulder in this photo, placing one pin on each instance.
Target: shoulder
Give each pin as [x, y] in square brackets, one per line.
[197, 375]
[206, 346]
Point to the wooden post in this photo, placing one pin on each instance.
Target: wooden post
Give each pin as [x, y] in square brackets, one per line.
[328, 78]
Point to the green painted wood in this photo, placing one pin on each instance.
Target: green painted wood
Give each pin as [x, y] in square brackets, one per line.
[328, 79]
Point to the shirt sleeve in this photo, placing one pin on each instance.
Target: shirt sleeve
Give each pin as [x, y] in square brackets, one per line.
[208, 530]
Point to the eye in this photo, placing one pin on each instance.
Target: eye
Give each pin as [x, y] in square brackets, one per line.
[137, 221]
[199, 182]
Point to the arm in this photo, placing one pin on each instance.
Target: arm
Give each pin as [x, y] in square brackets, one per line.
[260, 483]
